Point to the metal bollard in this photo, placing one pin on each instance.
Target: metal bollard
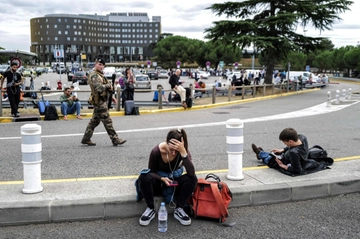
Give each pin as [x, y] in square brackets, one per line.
[328, 102]
[31, 148]
[337, 97]
[343, 96]
[235, 142]
[349, 94]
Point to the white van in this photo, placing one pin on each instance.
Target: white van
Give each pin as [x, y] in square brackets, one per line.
[304, 74]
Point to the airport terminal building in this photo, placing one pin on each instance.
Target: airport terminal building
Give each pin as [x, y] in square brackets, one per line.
[117, 37]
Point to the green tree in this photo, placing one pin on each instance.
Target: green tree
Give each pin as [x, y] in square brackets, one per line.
[297, 60]
[177, 48]
[270, 26]
[214, 52]
[338, 58]
[323, 60]
[352, 59]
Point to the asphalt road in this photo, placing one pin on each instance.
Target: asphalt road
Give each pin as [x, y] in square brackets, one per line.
[333, 217]
[64, 157]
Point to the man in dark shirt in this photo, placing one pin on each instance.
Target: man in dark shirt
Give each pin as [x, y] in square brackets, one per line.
[14, 80]
[176, 86]
[293, 157]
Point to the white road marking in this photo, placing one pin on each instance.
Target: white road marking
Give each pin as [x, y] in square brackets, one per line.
[315, 110]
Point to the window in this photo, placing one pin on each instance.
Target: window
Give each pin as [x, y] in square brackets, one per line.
[150, 30]
[65, 20]
[156, 30]
[80, 27]
[68, 38]
[46, 20]
[74, 26]
[65, 32]
[67, 26]
[59, 19]
[40, 26]
[41, 39]
[55, 38]
[75, 39]
[59, 32]
[47, 26]
[55, 26]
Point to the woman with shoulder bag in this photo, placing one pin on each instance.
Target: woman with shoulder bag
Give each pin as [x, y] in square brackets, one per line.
[129, 81]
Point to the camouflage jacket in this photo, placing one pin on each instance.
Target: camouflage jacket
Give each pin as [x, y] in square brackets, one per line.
[100, 87]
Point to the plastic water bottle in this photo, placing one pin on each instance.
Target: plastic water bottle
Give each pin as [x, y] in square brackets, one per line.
[162, 218]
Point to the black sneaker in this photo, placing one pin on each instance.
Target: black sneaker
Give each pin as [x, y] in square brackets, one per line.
[147, 216]
[180, 215]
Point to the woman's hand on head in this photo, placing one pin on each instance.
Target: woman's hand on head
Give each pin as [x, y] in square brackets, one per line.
[175, 144]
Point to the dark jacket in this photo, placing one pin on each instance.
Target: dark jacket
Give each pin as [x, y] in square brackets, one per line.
[174, 80]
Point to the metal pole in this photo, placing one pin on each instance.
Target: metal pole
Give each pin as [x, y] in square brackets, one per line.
[235, 141]
[31, 148]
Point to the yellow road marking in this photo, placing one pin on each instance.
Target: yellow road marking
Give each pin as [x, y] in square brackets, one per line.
[68, 180]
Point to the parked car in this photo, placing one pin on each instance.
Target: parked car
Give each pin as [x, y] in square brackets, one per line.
[61, 69]
[142, 82]
[40, 70]
[3, 68]
[163, 74]
[204, 74]
[80, 77]
[153, 74]
[27, 72]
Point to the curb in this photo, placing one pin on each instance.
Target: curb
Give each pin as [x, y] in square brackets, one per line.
[20, 213]
[179, 109]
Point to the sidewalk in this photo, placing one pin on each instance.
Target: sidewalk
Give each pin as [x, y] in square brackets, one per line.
[114, 197]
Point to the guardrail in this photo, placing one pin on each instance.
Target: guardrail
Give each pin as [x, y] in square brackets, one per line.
[214, 91]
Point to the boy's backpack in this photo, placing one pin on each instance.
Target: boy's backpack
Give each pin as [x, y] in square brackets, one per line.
[51, 113]
[316, 152]
[211, 198]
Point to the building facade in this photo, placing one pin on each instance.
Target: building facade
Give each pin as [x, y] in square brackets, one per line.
[117, 37]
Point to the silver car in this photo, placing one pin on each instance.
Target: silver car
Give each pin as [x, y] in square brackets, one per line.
[142, 82]
[163, 74]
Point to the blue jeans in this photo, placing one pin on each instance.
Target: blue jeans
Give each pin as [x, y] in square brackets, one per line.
[65, 109]
[265, 157]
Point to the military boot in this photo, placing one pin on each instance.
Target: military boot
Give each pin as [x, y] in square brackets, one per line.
[117, 142]
[88, 142]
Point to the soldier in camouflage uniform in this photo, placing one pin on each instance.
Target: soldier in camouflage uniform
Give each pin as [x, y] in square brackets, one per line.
[100, 91]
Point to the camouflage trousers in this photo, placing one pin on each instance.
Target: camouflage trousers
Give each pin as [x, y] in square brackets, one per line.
[101, 113]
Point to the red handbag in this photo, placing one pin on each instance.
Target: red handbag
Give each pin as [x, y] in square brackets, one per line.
[211, 198]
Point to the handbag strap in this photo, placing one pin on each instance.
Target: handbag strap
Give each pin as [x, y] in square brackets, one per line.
[223, 210]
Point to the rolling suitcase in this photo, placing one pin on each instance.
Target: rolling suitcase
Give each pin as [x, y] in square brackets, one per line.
[129, 105]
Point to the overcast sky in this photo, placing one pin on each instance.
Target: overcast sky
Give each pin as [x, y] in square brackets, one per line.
[186, 18]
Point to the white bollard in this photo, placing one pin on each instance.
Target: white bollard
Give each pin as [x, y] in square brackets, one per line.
[31, 157]
[337, 97]
[235, 148]
[343, 96]
[328, 102]
[349, 94]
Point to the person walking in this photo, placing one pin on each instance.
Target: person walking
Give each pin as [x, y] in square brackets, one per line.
[14, 80]
[100, 90]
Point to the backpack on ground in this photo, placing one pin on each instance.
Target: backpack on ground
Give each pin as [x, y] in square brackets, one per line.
[189, 102]
[51, 113]
[316, 152]
[42, 105]
[211, 198]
